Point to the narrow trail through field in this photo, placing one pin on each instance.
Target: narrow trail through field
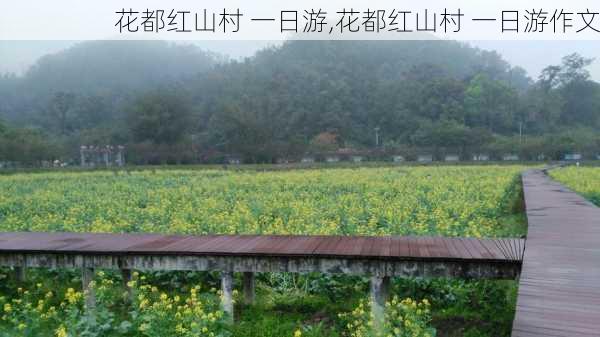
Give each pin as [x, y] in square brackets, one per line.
[559, 288]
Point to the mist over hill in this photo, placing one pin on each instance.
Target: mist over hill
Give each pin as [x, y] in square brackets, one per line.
[178, 103]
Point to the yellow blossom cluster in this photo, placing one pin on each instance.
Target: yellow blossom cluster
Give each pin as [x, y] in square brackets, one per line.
[584, 180]
[403, 318]
[450, 201]
[184, 316]
[29, 310]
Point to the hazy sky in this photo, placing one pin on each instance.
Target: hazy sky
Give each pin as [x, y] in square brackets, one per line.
[17, 56]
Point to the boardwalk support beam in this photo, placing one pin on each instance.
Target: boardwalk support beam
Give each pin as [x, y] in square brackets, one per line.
[249, 288]
[380, 288]
[126, 275]
[20, 274]
[227, 294]
[87, 276]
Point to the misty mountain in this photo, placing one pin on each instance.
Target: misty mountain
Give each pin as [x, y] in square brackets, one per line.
[108, 69]
[287, 99]
[348, 87]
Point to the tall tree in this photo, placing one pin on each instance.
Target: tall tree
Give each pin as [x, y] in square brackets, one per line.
[161, 116]
[490, 104]
[60, 107]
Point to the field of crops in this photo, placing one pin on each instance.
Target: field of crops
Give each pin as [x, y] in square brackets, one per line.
[584, 180]
[451, 201]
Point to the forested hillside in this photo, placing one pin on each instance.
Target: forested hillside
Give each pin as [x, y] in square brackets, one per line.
[177, 103]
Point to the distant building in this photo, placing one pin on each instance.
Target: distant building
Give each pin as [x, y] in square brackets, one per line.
[425, 158]
[108, 155]
[8, 164]
[451, 157]
[349, 154]
[233, 160]
[481, 157]
[120, 160]
[398, 159]
[573, 156]
[307, 160]
[510, 157]
[332, 159]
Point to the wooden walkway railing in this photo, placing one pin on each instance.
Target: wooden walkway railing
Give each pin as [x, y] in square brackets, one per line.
[379, 257]
[559, 288]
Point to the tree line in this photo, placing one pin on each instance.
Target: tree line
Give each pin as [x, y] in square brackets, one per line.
[172, 103]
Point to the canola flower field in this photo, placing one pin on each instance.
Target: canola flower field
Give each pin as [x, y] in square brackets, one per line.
[480, 201]
[584, 180]
[450, 201]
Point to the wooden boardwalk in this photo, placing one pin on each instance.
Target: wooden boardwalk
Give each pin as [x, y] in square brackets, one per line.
[378, 257]
[347, 247]
[559, 288]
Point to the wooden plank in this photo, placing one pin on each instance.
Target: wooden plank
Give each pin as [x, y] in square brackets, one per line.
[493, 248]
[439, 248]
[450, 247]
[328, 247]
[465, 248]
[356, 246]
[413, 246]
[400, 246]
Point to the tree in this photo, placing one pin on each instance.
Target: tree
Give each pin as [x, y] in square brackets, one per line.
[440, 94]
[571, 82]
[325, 142]
[253, 134]
[448, 136]
[26, 146]
[431, 93]
[550, 78]
[490, 104]
[161, 116]
[574, 69]
[60, 106]
[91, 111]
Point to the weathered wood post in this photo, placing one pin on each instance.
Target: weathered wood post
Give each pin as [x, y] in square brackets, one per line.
[20, 274]
[249, 288]
[121, 156]
[227, 296]
[106, 155]
[87, 276]
[126, 274]
[380, 287]
[82, 150]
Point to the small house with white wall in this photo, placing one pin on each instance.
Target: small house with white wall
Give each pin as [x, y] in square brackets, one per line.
[573, 156]
[398, 159]
[481, 157]
[425, 158]
[332, 159]
[510, 157]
